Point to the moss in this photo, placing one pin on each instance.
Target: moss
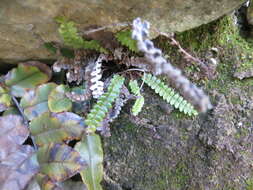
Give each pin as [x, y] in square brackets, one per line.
[242, 133]
[249, 184]
[235, 53]
[207, 36]
[177, 178]
[180, 177]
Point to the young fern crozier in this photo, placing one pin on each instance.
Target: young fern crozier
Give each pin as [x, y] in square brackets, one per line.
[104, 104]
[169, 95]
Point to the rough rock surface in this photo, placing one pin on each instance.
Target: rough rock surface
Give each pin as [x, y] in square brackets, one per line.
[25, 25]
[213, 152]
[162, 149]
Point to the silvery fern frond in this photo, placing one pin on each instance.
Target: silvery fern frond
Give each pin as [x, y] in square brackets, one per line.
[161, 66]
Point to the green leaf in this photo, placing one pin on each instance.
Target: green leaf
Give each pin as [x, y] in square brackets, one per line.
[35, 102]
[27, 76]
[124, 37]
[59, 161]
[90, 149]
[57, 101]
[57, 127]
[5, 99]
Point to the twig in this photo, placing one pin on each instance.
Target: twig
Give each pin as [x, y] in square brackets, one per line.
[25, 119]
[123, 24]
[141, 70]
[187, 55]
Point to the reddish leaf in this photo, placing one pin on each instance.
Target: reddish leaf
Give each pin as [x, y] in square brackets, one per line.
[18, 168]
[18, 164]
[12, 134]
[45, 182]
[59, 161]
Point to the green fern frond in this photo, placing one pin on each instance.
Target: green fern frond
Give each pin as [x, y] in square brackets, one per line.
[104, 103]
[134, 87]
[70, 36]
[124, 37]
[139, 102]
[169, 95]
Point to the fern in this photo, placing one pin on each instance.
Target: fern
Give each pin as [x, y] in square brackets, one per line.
[104, 104]
[70, 36]
[137, 107]
[124, 37]
[169, 94]
[139, 102]
[134, 87]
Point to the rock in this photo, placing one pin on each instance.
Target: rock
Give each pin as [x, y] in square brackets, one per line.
[250, 14]
[244, 74]
[25, 25]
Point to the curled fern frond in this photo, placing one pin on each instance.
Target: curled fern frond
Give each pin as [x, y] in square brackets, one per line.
[124, 37]
[104, 104]
[169, 95]
[139, 102]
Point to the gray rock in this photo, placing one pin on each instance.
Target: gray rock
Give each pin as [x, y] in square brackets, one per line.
[250, 14]
[25, 25]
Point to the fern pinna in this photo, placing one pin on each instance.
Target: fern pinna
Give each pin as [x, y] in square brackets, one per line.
[169, 95]
[104, 104]
[138, 104]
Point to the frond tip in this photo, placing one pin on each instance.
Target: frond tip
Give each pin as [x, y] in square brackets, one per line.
[169, 95]
[104, 103]
[139, 102]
